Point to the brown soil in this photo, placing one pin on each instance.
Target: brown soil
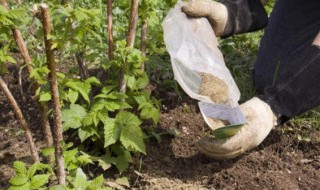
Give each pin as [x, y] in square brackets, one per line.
[213, 87]
[280, 162]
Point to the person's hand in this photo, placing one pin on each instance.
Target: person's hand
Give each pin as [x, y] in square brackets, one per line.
[230, 16]
[260, 121]
[216, 13]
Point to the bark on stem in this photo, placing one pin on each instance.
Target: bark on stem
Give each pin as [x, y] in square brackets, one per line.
[130, 39]
[110, 30]
[19, 41]
[18, 112]
[132, 23]
[143, 43]
[58, 137]
[27, 59]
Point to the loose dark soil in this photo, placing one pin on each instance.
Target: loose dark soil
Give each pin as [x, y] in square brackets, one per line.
[280, 162]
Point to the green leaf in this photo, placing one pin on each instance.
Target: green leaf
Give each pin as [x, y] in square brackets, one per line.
[18, 180]
[132, 138]
[70, 155]
[39, 180]
[121, 163]
[79, 110]
[130, 81]
[117, 96]
[80, 181]
[142, 81]
[93, 80]
[111, 132]
[127, 119]
[96, 183]
[150, 112]
[3, 10]
[105, 162]
[20, 167]
[123, 181]
[72, 96]
[17, 13]
[84, 159]
[88, 119]
[45, 97]
[82, 88]
[10, 59]
[23, 187]
[86, 132]
[72, 118]
[140, 99]
[107, 89]
[124, 105]
[48, 151]
[112, 105]
[32, 170]
[99, 105]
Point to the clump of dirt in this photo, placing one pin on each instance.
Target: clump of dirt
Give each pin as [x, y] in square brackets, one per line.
[213, 87]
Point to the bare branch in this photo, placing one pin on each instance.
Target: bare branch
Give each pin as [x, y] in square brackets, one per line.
[18, 112]
[132, 23]
[58, 137]
[27, 59]
[130, 39]
[144, 40]
[110, 30]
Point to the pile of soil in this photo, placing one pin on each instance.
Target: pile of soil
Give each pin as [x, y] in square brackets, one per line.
[280, 162]
[214, 87]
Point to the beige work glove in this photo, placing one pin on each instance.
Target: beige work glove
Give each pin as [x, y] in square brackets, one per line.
[229, 16]
[260, 121]
[216, 13]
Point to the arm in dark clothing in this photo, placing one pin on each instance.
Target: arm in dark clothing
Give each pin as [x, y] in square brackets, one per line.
[244, 16]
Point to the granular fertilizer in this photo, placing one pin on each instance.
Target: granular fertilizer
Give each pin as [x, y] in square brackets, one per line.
[214, 87]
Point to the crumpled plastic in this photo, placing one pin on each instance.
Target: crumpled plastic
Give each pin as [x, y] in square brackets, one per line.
[194, 49]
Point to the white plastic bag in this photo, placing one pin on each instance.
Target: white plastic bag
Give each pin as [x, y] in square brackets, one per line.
[194, 53]
[193, 48]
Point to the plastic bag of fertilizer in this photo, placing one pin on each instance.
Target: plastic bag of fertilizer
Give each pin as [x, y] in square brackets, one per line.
[199, 67]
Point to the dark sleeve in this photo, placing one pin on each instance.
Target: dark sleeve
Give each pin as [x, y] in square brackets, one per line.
[244, 16]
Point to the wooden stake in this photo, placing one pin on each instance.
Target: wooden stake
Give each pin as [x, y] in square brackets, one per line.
[18, 112]
[58, 137]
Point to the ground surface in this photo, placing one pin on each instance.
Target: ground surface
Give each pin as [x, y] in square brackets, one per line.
[280, 162]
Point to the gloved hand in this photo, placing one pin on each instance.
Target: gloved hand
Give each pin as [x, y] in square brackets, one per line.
[230, 16]
[260, 121]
